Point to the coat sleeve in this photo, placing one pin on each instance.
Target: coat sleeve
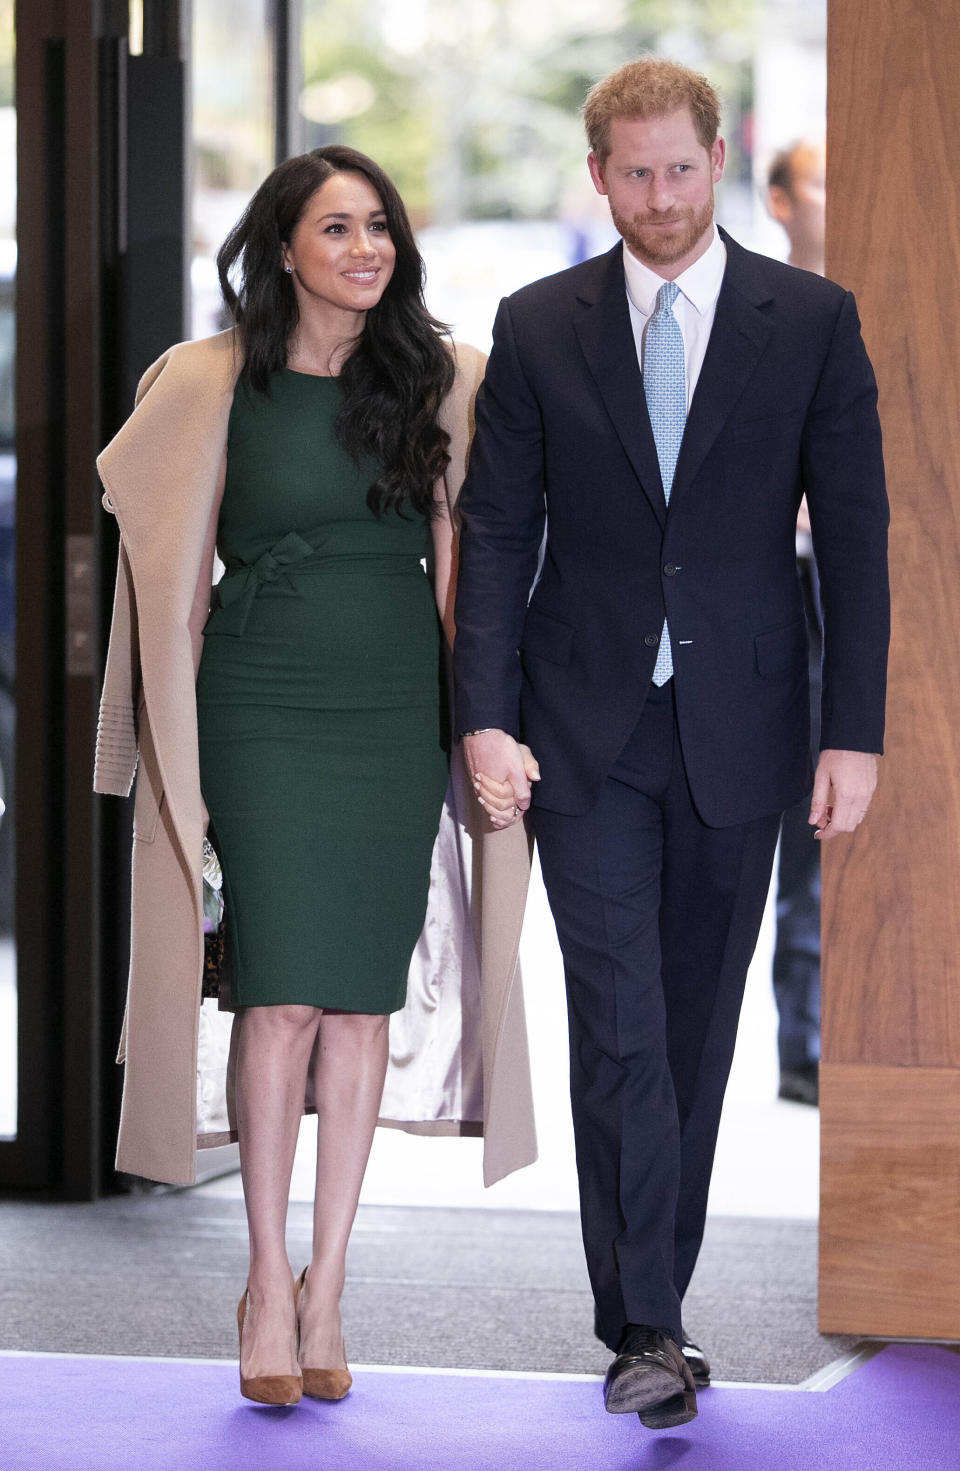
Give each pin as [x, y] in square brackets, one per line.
[116, 749]
[116, 753]
[842, 464]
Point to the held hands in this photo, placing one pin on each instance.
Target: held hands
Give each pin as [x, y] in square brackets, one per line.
[842, 789]
[501, 771]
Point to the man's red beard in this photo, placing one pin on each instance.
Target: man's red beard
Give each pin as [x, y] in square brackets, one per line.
[659, 247]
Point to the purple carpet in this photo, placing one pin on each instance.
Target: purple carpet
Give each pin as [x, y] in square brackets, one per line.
[898, 1412]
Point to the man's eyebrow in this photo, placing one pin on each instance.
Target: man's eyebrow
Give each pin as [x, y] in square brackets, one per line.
[688, 160]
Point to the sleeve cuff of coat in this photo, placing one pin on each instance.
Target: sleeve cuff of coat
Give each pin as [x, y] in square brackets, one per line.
[116, 759]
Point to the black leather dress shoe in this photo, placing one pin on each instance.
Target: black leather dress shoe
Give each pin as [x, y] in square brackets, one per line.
[696, 1361]
[801, 1084]
[650, 1376]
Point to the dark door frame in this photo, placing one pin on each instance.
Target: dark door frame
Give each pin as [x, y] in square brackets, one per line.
[82, 301]
[102, 289]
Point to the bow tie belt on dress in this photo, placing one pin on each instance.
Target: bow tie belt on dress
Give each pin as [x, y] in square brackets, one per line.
[235, 593]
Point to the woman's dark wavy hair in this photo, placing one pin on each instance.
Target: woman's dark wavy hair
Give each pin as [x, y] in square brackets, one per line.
[400, 369]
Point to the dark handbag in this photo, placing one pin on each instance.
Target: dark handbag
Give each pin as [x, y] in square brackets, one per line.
[213, 923]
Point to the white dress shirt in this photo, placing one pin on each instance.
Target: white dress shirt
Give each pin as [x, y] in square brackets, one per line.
[694, 308]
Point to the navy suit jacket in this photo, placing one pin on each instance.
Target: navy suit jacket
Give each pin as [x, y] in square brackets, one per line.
[785, 404]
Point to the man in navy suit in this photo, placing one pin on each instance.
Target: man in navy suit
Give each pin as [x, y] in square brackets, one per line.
[658, 412]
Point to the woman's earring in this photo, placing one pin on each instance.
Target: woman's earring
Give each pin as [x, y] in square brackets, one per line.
[289, 270]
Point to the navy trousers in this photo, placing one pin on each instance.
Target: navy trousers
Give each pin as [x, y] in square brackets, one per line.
[657, 916]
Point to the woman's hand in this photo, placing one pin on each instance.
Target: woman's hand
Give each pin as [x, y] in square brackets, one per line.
[499, 799]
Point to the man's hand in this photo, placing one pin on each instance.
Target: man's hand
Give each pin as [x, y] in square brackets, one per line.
[842, 789]
[501, 771]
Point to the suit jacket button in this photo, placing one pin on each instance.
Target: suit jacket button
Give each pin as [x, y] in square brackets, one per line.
[651, 640]
[671, 569]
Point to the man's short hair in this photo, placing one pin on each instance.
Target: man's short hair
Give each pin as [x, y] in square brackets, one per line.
[649, 87]
[791, 164]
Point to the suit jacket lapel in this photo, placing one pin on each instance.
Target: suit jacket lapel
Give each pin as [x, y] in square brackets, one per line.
[606, 336]
[737, 341]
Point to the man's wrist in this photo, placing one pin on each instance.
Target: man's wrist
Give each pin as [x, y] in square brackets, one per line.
[484, 730]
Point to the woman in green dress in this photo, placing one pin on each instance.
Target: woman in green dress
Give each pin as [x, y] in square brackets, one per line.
[321, 731]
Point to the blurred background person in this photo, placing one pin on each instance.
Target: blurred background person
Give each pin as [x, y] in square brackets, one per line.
[796, 198]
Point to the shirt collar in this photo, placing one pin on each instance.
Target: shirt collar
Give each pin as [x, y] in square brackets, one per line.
[699, 283]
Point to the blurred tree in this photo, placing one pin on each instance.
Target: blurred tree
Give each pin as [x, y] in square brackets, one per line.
[474, 109]
[232, 110]
[390, 118]
[6, 53]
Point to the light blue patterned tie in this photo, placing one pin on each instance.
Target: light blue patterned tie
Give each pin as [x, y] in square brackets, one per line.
[665, 388]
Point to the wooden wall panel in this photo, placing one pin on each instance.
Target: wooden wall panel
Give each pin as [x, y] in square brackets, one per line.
[892, 895]
[890, 1100]
[890, 1217]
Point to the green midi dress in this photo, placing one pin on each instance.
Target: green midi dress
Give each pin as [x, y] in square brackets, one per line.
[321, 730]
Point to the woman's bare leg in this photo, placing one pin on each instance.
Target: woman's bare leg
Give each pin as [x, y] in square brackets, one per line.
[272, 1060]
[349, 1082]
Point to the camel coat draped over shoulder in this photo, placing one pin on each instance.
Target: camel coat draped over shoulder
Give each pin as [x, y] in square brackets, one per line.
[458, 1059]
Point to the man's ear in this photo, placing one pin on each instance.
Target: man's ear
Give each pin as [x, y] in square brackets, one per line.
[779, 204]
[596, 173]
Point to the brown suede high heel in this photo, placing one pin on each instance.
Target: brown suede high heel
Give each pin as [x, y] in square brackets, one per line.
[322, 1383]
[266, 1389]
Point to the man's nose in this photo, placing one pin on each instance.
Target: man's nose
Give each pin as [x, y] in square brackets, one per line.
[660, 194]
